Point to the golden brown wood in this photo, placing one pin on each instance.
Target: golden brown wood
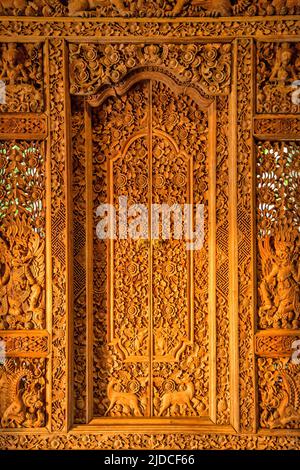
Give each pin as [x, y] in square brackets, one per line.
[139, 345]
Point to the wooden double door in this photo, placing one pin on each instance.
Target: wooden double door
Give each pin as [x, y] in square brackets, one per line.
[151, 296]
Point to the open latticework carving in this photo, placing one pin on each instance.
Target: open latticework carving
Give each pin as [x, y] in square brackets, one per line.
[278, 225]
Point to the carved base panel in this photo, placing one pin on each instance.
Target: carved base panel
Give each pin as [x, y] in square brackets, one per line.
[146, 441]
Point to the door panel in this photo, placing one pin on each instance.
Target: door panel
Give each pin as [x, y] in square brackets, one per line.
[154, 332]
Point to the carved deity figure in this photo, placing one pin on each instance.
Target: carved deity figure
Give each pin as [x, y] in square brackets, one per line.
[280, 288]
[22, 273]
[283, 69]
[13, 70]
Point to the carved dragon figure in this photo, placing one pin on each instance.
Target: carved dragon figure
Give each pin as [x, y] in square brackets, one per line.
[12, 408]
[288, 409]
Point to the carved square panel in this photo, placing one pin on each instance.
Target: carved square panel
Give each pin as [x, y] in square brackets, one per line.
[22, 393]
[279, 393]
[277, 77]
[21, 77]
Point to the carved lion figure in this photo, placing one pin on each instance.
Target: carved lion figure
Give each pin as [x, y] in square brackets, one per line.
[173, 398]
[127, 399]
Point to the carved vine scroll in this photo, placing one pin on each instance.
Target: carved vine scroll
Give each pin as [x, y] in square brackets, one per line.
[206, 66]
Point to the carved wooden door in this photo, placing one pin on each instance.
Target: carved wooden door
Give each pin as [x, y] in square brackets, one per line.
[143, 343]
[151, 303]
[149, 298]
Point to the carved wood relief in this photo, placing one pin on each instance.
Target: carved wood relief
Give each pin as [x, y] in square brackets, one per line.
[21, 71]
[171, 316]
[146, 8]
[170, 349]
[278, 67]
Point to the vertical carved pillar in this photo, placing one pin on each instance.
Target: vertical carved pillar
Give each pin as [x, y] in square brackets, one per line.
[59, 224]
[245, 235]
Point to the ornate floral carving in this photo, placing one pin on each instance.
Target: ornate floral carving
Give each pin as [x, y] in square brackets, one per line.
[287, 128]
[206, 66]
[79, 257]
[22, 177]
[58, 234]
[278, 66]
[222, 260]
[201, 28]
[245, 234]
[22, 393]
[147, 441]
[275, 344]
[21, 71]
[129, 329]
[33, 127]
[278, 229]
[279, 393]
[24, 343]
[178, 391]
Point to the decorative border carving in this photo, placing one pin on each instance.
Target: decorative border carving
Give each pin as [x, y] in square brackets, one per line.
[25, 343]
[25, 126]
[178, 441]
[245, 234]
[196, 29]
[59, 233]
[275, 343]
[277, 128]
[205, 67]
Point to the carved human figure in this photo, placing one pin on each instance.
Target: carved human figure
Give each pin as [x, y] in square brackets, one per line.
[13, 70]
[279, 288]
[22, 273]
[283, 68]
